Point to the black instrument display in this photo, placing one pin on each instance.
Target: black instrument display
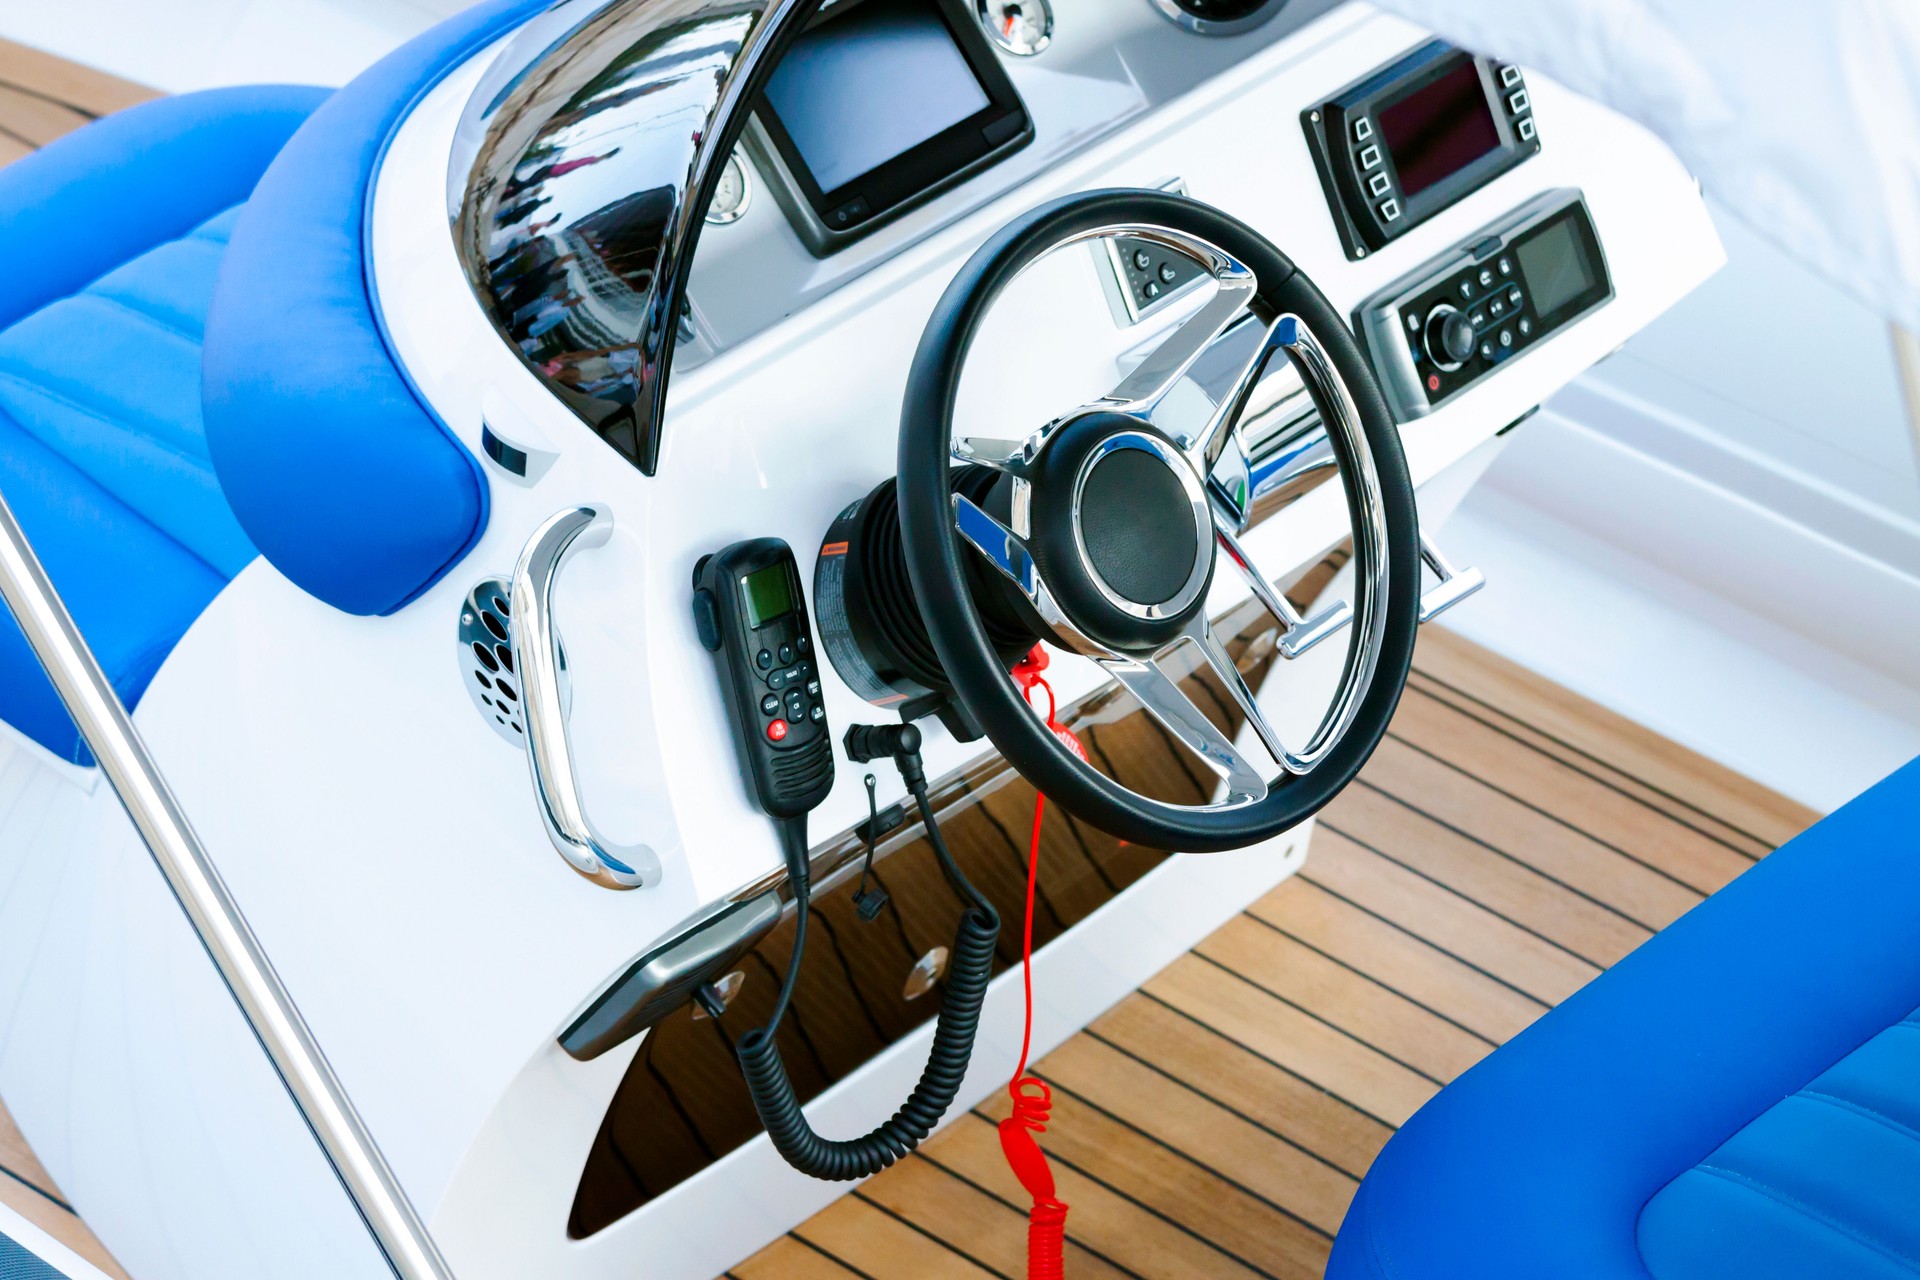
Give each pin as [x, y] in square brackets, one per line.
[877, 106]
[750, 613]
[1397, 147]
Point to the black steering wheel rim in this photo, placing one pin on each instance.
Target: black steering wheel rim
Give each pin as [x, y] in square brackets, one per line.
[936, 554]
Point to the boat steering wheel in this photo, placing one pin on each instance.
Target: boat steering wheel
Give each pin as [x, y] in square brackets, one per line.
[1109, 531]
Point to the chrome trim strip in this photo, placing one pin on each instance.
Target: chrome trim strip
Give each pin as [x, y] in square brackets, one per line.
[536, 656]
[264, 1000]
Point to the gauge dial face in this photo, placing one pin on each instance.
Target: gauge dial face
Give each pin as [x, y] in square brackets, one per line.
[1022, 27]
[1219, 17]
[731, 195]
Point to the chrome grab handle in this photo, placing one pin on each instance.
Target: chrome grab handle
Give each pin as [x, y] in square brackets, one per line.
[264, 1000]
[1454, 586]
[536, 656]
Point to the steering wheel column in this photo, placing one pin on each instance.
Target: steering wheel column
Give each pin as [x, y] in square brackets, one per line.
[1108, 529]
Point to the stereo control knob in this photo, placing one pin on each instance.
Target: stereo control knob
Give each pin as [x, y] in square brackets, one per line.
[1449, 337]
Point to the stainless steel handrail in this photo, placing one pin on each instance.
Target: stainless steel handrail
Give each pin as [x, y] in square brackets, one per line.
[263, 999]
[536, 652]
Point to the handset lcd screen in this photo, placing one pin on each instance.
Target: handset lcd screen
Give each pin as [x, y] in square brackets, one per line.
[871, 84]
[767, 593]
[1440, 129]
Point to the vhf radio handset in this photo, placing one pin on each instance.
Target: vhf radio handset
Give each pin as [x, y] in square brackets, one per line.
[751, 615]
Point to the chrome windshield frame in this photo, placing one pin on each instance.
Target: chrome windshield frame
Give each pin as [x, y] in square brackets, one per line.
[580, 171]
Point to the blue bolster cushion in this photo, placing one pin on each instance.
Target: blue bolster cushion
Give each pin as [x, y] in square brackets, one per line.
[339, 473]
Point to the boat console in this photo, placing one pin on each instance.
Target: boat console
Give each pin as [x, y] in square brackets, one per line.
[628, 398]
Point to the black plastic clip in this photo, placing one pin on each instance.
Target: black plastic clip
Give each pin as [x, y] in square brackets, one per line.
[871, 901]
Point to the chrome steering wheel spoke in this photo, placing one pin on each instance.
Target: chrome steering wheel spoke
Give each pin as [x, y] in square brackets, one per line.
[1176, 712]
[1010, 456]
[1201, 632]
[1168, 364]
[1297, 634]
[1003, 548]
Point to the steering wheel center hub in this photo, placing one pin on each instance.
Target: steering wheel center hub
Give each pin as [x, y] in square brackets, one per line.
[1122, 530]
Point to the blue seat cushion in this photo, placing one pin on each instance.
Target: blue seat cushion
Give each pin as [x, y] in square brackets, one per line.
[1732, 1099]
[110, 241]
[338, 471]
[1826, 1182]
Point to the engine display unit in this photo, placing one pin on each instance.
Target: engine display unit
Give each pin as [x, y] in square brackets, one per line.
[1416, 137]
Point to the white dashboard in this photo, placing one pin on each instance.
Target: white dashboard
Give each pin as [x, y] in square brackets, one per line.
[791, 414]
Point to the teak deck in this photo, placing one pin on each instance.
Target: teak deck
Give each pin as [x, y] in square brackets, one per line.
[1508, 842]
[42, 97]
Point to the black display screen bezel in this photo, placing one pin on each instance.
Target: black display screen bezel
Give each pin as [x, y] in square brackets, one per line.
[1588, 241]
[923, 168]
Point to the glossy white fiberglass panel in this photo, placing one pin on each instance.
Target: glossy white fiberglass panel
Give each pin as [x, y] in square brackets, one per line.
[384, 840]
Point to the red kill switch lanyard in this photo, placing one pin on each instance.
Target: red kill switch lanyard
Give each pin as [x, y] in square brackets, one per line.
[1032, 1100]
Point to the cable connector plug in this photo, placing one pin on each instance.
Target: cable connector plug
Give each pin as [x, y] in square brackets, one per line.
[901, 742]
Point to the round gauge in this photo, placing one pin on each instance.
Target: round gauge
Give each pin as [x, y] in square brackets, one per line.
[1219, 17]
[1022, 27]
[732, 195]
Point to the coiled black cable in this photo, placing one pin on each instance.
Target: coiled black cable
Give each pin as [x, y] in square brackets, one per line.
[969, 968]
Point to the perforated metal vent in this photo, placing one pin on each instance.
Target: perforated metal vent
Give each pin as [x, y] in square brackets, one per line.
[486, 660]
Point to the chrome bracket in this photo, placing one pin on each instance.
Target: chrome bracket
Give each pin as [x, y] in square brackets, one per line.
[537, 658]
[1454, 586]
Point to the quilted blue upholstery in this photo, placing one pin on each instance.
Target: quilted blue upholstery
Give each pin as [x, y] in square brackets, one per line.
[17, 1264]
[1596, 1134]
[336, 469]
[110, 240]
[1824, 1183]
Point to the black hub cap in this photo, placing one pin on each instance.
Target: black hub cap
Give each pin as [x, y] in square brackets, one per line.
[1120, 531]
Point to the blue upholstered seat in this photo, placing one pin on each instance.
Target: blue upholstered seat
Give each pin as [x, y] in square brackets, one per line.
[1739, 1099]
[192, 366]
[110, 244]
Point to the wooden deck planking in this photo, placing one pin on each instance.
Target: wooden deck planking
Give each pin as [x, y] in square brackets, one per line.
[43, 97]
[1508, 842]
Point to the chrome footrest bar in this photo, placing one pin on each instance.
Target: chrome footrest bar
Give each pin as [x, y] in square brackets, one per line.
[1299, 634]
[1454, 586]
[263, 999]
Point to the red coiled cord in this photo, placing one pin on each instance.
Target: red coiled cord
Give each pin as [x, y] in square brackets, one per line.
[1032, 1099]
